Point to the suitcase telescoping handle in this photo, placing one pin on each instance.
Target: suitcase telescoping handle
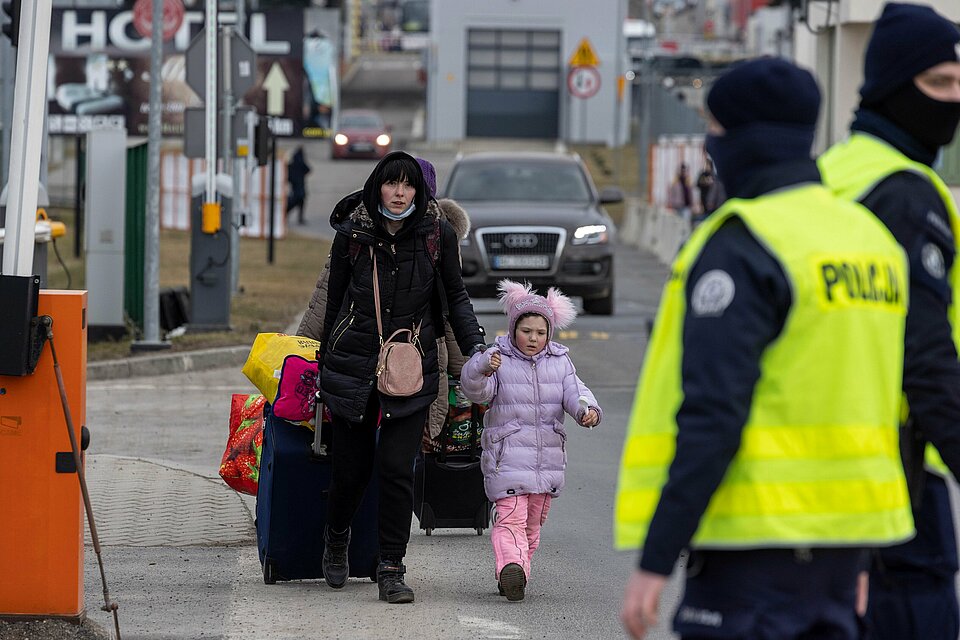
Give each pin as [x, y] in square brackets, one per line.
[319, 449]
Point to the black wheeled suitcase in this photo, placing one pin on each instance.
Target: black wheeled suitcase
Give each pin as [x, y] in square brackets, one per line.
[448, 486]
[295, 474]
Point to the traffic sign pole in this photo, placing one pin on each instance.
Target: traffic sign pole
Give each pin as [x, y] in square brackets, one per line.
[226, 67]
[151, 261]
[210, 100]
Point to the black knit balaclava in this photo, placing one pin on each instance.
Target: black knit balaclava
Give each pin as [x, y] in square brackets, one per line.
[768, 108]
[907, 40]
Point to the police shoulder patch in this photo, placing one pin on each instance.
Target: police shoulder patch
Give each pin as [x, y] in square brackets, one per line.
[932, 259]
[712, 293]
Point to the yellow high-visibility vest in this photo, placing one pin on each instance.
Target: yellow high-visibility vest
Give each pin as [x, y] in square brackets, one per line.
[819, 461]
[852, 169]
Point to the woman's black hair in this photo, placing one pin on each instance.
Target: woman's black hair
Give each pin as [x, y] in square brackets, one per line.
[397, 165]
[401, 168]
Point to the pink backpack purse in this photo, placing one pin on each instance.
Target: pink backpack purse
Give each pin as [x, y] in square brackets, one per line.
[296, 393]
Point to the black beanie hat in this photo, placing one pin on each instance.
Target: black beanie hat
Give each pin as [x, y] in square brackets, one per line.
[906, 40]
[765, 90]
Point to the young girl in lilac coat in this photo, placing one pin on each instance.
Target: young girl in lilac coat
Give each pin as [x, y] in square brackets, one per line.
[529, 381]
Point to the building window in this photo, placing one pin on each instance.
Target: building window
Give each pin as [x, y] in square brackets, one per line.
[513, 59]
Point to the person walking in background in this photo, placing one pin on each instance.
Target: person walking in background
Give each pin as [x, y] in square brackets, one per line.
[529, 381]
[390, 241]
[763, 436]
[909, 110]
[297, 170]
[706, 182]
[680, 197]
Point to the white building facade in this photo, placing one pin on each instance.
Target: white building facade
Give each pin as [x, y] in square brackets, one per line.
[831, 40]
[502, 68]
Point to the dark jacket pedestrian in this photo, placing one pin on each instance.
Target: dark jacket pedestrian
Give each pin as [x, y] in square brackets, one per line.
[909, 110]
[395, 217]
[707, 183]
[449, 358]
[680, 196]
[297, 171]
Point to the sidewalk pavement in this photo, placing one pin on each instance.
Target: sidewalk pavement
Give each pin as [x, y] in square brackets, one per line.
[176, 362]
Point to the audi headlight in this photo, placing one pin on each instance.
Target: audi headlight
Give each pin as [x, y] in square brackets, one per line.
[591, 234]
[383, 139]
[341, 139]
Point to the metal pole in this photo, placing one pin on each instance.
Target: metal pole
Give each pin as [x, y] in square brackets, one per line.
[646, 102]
[242, 17]
[45, 146]
[583, 120]
[226, 66]
[151, 248]
[238, 167]
[9, 70]
[30, 95]
[78, 197]
[210, 111]
[273, 193]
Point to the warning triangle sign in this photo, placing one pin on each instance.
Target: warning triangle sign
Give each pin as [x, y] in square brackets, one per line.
[584, 55]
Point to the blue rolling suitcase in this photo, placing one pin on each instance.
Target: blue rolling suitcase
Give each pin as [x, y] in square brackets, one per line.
[295, 474]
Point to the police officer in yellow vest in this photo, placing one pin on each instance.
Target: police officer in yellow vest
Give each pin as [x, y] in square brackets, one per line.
[909, 110]
[763, 436]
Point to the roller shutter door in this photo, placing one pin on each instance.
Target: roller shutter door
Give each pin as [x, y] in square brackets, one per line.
[513, 83]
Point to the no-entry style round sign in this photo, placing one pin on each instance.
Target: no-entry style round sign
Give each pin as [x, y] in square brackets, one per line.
[583, 81]
[172, 17]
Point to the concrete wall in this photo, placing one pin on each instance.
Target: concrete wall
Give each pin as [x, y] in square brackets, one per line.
[600, 21]
[654, 228]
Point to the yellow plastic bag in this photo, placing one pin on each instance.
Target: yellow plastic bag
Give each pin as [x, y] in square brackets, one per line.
[263, 364]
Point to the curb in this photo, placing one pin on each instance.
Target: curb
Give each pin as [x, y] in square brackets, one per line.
[178, 362]
[159, 365]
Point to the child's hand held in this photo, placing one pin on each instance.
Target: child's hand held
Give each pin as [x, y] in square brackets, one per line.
[493, 361]
[590, 419]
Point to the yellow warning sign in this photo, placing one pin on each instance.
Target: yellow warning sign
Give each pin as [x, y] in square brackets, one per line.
[584, 55]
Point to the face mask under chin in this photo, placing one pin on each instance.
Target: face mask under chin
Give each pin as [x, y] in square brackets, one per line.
[389, 215]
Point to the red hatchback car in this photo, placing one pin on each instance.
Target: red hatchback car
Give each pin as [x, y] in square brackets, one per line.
[361, 133]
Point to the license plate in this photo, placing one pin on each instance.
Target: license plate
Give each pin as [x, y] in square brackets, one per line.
[521, 262]
[362, 146]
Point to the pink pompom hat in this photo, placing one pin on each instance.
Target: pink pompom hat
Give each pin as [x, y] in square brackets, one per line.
[519, 299]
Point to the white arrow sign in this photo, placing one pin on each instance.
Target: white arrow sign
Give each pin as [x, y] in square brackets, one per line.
[275, 84]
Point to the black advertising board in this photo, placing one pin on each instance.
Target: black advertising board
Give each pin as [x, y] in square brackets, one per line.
[100, 71]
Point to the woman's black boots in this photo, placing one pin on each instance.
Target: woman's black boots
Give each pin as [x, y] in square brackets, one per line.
[390, 582]
[336, 567]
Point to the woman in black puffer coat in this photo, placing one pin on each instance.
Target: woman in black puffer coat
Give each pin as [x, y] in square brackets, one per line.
[395, 215]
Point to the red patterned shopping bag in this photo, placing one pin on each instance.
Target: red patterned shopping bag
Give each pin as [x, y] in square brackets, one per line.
[240, 465]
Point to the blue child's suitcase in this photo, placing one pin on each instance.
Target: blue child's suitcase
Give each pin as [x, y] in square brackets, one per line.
[292, 506]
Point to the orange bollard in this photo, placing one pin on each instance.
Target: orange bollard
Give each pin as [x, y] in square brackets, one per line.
[41, 531]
